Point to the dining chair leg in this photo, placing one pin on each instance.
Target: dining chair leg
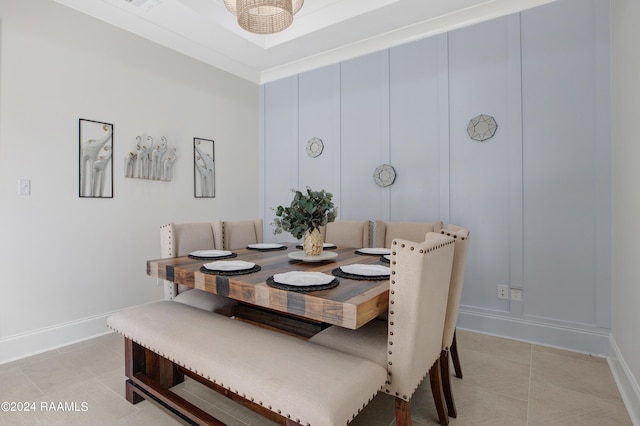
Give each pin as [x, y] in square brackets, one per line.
[455, 357]
[403, 412]
[446, 384]
[438, 395]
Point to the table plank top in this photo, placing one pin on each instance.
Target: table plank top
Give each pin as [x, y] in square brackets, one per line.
[351, 304]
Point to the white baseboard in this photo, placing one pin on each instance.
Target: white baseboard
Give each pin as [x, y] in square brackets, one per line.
[627, 384]
[593, 340]
[49, 338]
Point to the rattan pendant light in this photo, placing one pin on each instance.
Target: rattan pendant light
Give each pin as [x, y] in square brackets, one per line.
[264, 16]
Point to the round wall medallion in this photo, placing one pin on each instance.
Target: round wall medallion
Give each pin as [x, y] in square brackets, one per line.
[384, 175]
[314, 147]
[482, 127]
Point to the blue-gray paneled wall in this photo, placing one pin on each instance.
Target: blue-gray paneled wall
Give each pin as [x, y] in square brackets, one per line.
[415, 119]
[364, 128]
[536, 196]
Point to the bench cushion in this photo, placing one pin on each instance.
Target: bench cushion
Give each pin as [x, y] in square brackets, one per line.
[208, 301]
[309, 383]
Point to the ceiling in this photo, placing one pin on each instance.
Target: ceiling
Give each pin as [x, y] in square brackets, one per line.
[323, 31]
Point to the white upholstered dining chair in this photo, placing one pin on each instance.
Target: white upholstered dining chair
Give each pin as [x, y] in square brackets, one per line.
[409, 344]
[348, 233]
[180, 239]
[413, 231]
[240, 233]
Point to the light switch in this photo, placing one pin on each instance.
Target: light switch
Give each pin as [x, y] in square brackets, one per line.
[24, 187]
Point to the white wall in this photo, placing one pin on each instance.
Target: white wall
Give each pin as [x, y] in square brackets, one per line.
[68, 262]
[626, 200]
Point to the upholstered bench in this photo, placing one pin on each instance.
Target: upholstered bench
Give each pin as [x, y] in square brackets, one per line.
[284, 378]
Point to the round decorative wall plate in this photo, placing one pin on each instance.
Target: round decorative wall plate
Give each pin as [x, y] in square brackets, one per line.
[482, 127]
[384, 175]
[314, 147]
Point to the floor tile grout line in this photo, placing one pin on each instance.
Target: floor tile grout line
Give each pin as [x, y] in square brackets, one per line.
[44, 394]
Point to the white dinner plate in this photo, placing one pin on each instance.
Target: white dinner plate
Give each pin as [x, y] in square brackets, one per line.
[229, 265]
[365, 270]
[325, 255]
[303, 279]
[265, 246]
[374, 250]
[210, 253]
[387, 256]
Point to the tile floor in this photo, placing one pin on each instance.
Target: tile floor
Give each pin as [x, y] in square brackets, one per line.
[505, 383]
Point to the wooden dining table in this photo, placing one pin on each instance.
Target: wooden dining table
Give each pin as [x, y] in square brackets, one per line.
[351, 304]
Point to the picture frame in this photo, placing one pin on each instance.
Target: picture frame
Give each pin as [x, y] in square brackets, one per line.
[203, 168]
[95, 162]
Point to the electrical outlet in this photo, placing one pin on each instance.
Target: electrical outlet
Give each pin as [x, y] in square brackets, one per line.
[516, 294]
[503, 292]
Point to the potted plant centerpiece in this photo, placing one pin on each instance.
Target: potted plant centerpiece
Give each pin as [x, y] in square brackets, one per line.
[304, 216]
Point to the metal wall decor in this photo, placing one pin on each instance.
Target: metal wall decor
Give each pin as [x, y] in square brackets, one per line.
[149, 161]
[96, 167]
[204, 169]
[482, 127]
[314, 147]
[384, 175]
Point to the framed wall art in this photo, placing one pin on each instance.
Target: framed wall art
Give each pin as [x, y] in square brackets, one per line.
[95, 165]
[204, 169]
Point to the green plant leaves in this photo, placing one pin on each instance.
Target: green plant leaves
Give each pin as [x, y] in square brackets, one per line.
[307, 211]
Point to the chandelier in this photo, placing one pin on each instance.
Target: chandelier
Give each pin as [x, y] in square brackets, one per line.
[264, 16]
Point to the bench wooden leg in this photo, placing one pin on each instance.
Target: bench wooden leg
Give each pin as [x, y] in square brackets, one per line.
[133, 363]
[455, 357]
[138, 360]
[130, 393]
[403, 412]
[446, 384]
[438, 394]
